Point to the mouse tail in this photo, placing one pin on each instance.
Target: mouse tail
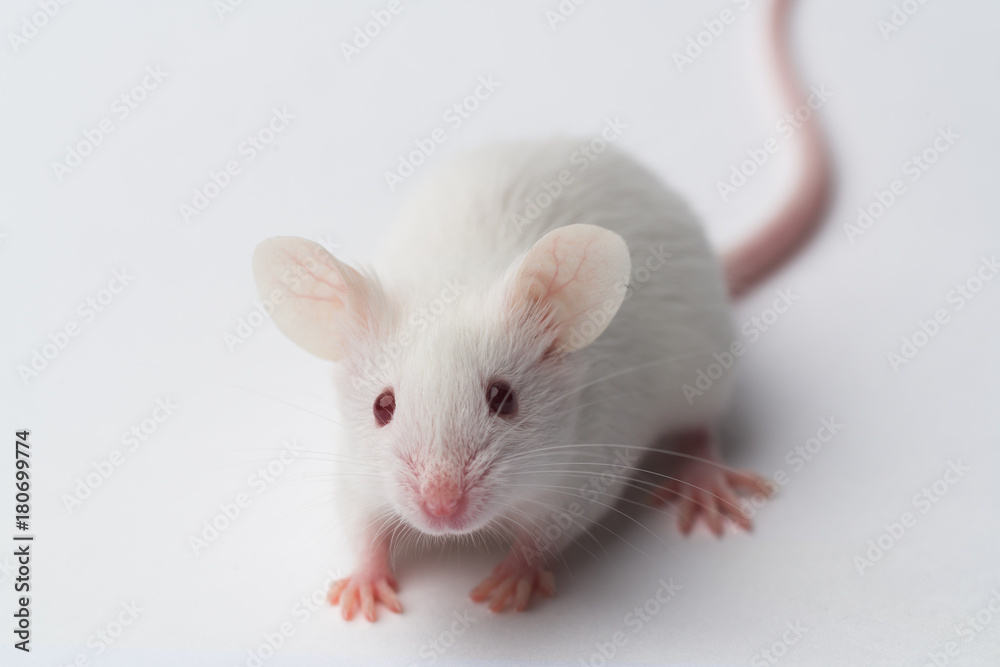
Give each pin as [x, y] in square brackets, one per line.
[799, 216]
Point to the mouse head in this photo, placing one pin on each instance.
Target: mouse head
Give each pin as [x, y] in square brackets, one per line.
[454, 399]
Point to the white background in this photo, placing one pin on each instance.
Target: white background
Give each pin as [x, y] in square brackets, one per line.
[163, 335]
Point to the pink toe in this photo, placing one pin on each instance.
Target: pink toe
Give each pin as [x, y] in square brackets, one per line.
[338, 587]
[367, 601]
[388, 596]
[522, 594]
[501, 595]
[348, 601]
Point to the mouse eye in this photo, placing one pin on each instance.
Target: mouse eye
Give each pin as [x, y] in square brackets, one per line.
[501, 399]
[384, 406]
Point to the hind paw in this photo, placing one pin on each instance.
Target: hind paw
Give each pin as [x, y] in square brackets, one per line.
[704, 488]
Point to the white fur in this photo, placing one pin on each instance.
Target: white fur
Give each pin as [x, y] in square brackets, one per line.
[575, 385]
[624, 388]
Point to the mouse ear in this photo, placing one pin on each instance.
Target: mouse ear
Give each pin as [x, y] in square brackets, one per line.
[576, 276]
[319, 302]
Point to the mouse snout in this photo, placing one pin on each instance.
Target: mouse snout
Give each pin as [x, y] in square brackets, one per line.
[441, 497]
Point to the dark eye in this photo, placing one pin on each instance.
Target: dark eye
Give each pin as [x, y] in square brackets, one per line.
[501, 399]
[384, 406]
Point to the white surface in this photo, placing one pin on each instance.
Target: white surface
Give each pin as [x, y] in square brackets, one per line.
[163, 335]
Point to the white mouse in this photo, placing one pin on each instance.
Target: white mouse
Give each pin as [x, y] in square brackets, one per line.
[508, 349]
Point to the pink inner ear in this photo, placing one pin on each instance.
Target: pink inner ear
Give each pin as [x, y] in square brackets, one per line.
[563, 271]
[568, 273]
[331, 278]
[325, 300]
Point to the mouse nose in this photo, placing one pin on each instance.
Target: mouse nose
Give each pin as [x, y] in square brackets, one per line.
[441, 499]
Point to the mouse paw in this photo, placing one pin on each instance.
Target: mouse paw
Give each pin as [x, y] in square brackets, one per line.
[703, 487]
[709, 491]
[362, 590]
[512, 583]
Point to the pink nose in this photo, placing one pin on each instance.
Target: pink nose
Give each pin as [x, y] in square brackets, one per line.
[441, 499]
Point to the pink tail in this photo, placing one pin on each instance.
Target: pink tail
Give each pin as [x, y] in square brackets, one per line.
[779, 239]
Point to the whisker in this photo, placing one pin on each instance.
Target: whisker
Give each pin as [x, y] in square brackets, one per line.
[288, 403]
[608, 529]
[512, 425]
[526, 533]
[633, 502]
[334, 525]
[648, 472]
[658, 450]
[570, 536]
[630, 482]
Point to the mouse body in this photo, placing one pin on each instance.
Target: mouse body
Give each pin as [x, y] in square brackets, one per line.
[466, 231]
[525, 333]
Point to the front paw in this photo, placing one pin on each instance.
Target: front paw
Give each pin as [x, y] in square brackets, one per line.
[512, 583]
[362, 590]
